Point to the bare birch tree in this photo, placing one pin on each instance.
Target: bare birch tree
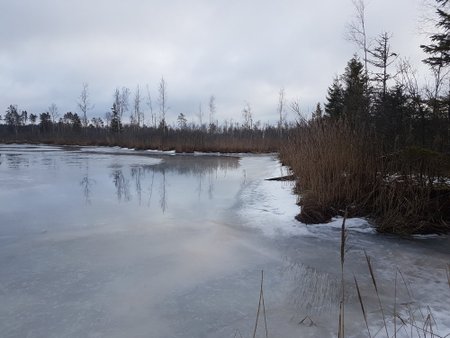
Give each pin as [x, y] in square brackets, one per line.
[200, 115]
[124, 101]
[212, 113]
[53, 110]
[137, 115]
[150, 107]
[248, 116]
[84, 104]
[162, 100]
[356, 30]
[280, 110]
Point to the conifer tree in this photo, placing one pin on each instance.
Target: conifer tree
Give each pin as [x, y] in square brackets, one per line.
[382, 58]
[439, 58]
[116, 125]
[439, 48]
[335, 100]
[318, 113]
[356, 94]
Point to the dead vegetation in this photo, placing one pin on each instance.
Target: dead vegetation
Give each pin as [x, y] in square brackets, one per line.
[338, 168]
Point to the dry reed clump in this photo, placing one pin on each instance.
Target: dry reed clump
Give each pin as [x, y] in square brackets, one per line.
[341, 168]
[413, 195]
[411, 209]
[336, 168]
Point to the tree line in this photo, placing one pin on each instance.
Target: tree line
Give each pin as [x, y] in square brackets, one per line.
[206, 135]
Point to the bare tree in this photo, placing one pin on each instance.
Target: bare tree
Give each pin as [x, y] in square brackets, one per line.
[137, 115]
[121, 101]
[295, 107]
[53, 110]
[212, 112]
[280, 110]
[248, 116]
[356, 30]
[108, 118]
[150, 107]
[163, 108]
[117, 97]
[124, 101]
[84, 104]
[200, 115]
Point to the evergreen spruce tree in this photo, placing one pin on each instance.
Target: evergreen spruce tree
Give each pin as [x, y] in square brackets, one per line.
[439, 57]
[439, 48]
[335, 100]
[318, 113]
[116, 125]
[393, 118]
[356, 94]
[381, 59]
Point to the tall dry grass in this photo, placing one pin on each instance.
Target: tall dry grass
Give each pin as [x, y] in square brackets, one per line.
[336, 167]
[340, 168]
[231, 140]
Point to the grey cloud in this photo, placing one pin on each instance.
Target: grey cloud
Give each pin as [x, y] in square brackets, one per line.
[236, 50]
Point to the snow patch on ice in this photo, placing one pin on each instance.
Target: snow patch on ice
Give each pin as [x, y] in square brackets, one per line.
[161, 152]
[106, 150]
[270, 205]
[353, 224]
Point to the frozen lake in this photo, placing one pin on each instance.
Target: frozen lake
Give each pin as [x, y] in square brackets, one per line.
[106, 242]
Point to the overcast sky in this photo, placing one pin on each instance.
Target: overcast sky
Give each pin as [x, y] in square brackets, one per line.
[237, 50]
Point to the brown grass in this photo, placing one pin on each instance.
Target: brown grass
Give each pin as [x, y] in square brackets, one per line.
[180, 140]
[337, 168]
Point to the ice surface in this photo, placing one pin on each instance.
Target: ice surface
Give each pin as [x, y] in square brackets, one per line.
[98, 242]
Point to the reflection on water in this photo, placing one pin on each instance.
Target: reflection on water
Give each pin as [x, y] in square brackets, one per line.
[136, 178]
[132, 181]
[122, 185]
[315, 293]
[16, 161]
[86, 184]
[163, 193]
[136, 174]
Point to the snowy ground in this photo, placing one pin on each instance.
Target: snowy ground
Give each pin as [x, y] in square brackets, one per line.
[111, 242]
